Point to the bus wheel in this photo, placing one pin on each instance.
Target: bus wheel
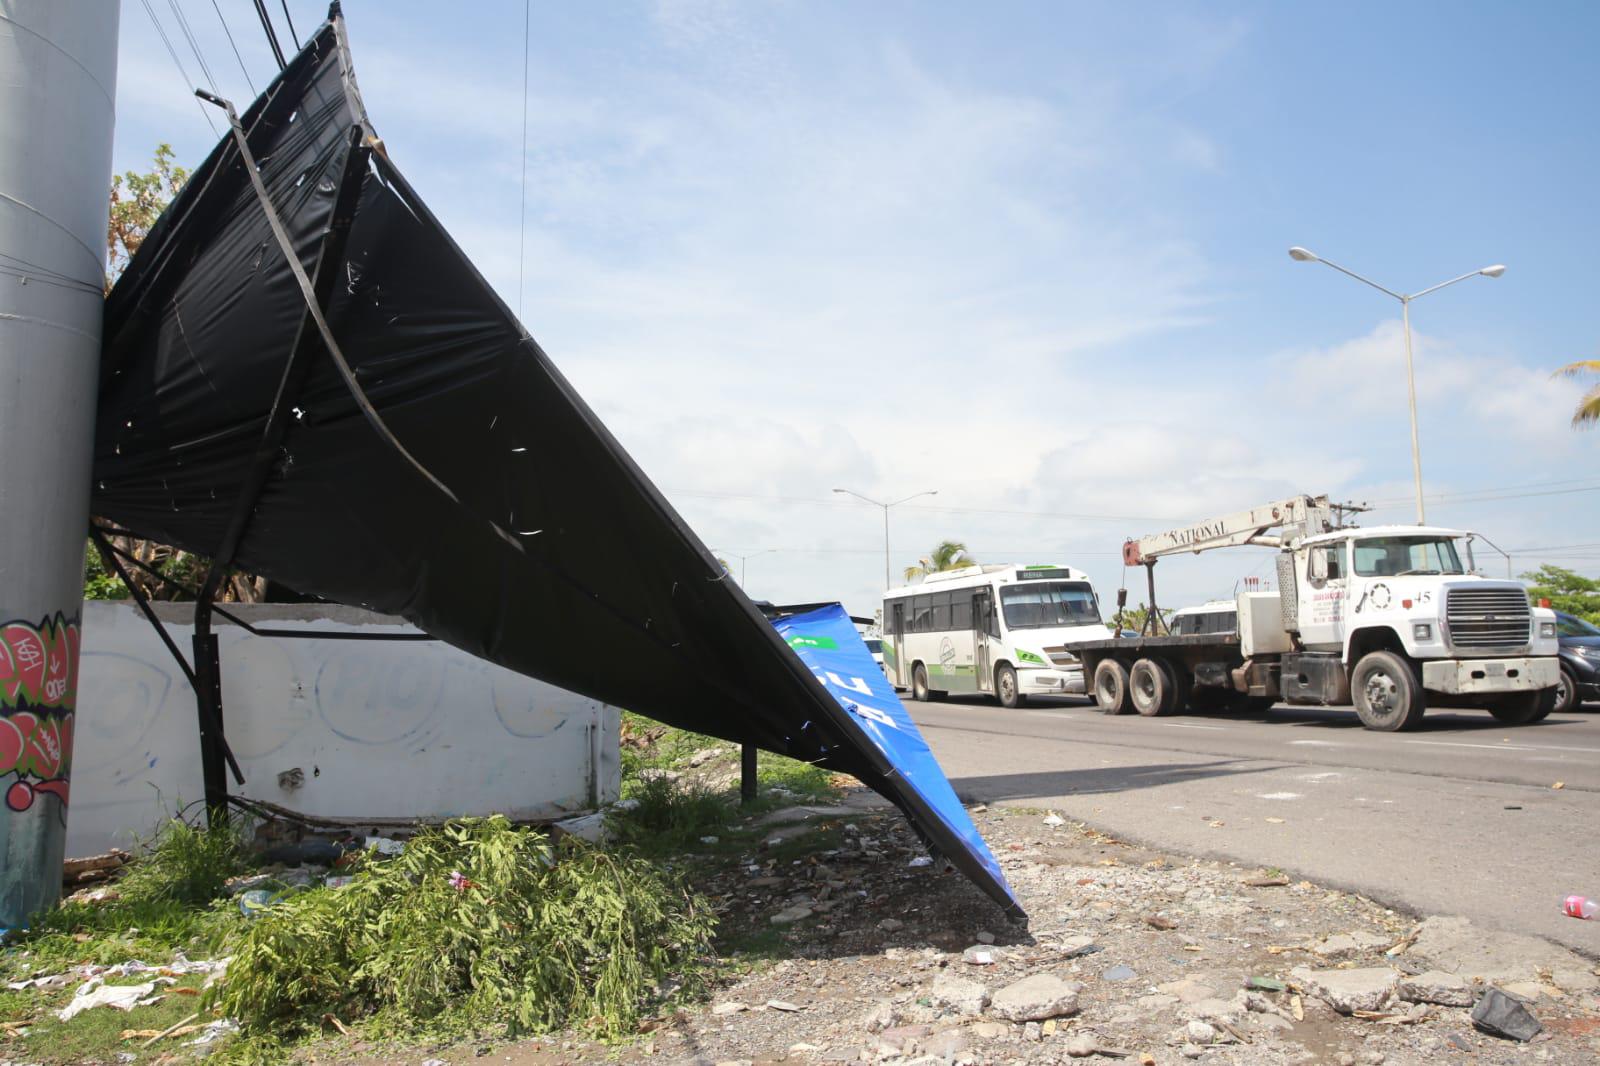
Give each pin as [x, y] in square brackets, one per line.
[1111, 687]
[1152, 687]
[919, 683]
[1005, 686]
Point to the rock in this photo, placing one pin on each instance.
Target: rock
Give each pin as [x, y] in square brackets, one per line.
[983, 936]
[1033, 1032]
[1200, 1032]
[1119, 973]
[1081, 1046]
[1054, 820]
[1151, 1004]
[1346, 945]
[1436, 986]
[990, 1030]
[978, 955]
[1456, 946]
[946, 1044]
[1344, 1058]
[1191, 1051]
[1073, 946]
[790, 915]
[958, 994]
[903, 1038]
[1187, 990]
[1213, 1009]
[730, 1007]
[1500, 1015]
[881, 1016]
[784, 1005]
[1036, 998]
[1371, 1057]
[1347, 991]
[891, 925]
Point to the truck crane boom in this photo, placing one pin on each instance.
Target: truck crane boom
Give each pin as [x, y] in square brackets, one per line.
[1297, 516]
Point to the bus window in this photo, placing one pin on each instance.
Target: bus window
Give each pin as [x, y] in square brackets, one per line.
[941, 612]
[961, 611]
[1053, 603]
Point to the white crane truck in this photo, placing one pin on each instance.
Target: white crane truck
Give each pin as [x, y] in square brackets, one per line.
[1387, 618]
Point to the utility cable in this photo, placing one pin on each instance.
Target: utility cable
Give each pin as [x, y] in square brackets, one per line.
[293, 36]
[194, 46]
[188, 83]
[272, 35]
[242, 69]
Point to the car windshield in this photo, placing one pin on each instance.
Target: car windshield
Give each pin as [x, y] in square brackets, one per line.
[1400, 555]
[1037, 604]
[1570, 625]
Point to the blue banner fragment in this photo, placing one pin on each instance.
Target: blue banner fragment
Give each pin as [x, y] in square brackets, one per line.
[827, 642]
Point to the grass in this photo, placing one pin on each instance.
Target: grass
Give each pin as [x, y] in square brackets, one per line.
[542, 936]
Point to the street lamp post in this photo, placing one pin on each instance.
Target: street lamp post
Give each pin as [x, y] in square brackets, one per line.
[1301, 255]
[743, 558]
[879, 503]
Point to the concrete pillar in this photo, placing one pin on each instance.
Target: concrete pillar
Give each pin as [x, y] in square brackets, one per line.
[58, 66]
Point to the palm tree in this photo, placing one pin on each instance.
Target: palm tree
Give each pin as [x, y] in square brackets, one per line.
[1588, 412]
[949, 555]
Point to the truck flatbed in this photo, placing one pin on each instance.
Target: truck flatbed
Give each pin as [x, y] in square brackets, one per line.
[1131, 644]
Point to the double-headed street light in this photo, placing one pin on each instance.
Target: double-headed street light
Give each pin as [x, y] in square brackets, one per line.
[1301, 255]
[743, 558]
[879, 503]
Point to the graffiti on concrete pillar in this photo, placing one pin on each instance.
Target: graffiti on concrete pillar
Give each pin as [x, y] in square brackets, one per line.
[38, 699]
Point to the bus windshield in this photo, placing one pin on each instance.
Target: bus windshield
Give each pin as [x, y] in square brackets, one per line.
[1035, 605]
[1398, 556]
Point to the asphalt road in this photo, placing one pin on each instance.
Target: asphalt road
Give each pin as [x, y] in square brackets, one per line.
[1458, 817]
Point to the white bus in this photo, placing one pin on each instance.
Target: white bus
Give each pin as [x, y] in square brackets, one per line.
[1001, 629]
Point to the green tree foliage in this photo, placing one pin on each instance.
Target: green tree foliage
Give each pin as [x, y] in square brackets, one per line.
[137, 200]
[98, 582]
[1567, 591]
[948, 555]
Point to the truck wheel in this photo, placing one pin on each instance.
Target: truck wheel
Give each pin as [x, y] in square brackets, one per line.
[1387, 693]
[1005, 686]
[1523, 708]
[1152, 687]
[1566, 691]
[919, 683]
[1111, 687]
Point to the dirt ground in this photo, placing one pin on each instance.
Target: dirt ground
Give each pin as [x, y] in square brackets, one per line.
[859, 953]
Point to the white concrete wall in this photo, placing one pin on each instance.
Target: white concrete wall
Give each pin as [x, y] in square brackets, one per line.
[380, 729]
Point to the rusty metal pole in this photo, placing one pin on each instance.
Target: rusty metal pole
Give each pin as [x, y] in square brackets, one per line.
[58, 66]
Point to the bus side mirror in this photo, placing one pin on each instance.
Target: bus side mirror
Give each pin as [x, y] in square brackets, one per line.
[1122, 598]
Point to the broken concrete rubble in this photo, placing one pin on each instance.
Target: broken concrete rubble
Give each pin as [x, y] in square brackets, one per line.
[1035, 998]
[1347, 991]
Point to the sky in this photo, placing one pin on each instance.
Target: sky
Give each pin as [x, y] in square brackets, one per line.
[1029, 255]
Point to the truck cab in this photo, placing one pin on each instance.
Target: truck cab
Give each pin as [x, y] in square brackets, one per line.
[1396, 611]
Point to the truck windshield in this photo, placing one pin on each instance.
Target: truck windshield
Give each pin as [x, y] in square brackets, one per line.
[1400, 555]
[1037, 604]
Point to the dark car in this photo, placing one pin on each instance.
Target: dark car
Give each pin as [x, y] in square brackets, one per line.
[1580, 661]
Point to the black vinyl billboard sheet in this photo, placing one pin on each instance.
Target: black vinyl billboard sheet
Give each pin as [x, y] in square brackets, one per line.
[480, 497]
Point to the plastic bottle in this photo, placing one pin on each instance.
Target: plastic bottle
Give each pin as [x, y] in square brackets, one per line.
[1579, 907]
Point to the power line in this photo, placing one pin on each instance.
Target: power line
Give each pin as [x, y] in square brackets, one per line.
[272, 34]
[188, 83]
[522, 208]
[235, 47]
[194, 46]
[293, 36]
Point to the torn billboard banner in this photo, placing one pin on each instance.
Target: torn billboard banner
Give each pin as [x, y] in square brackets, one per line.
[453, 476]
[827, 642]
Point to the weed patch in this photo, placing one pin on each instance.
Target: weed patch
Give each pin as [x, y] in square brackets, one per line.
[476, 923]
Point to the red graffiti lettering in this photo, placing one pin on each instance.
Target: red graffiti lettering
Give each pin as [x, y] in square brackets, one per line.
[38, 694]
[39, 663]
